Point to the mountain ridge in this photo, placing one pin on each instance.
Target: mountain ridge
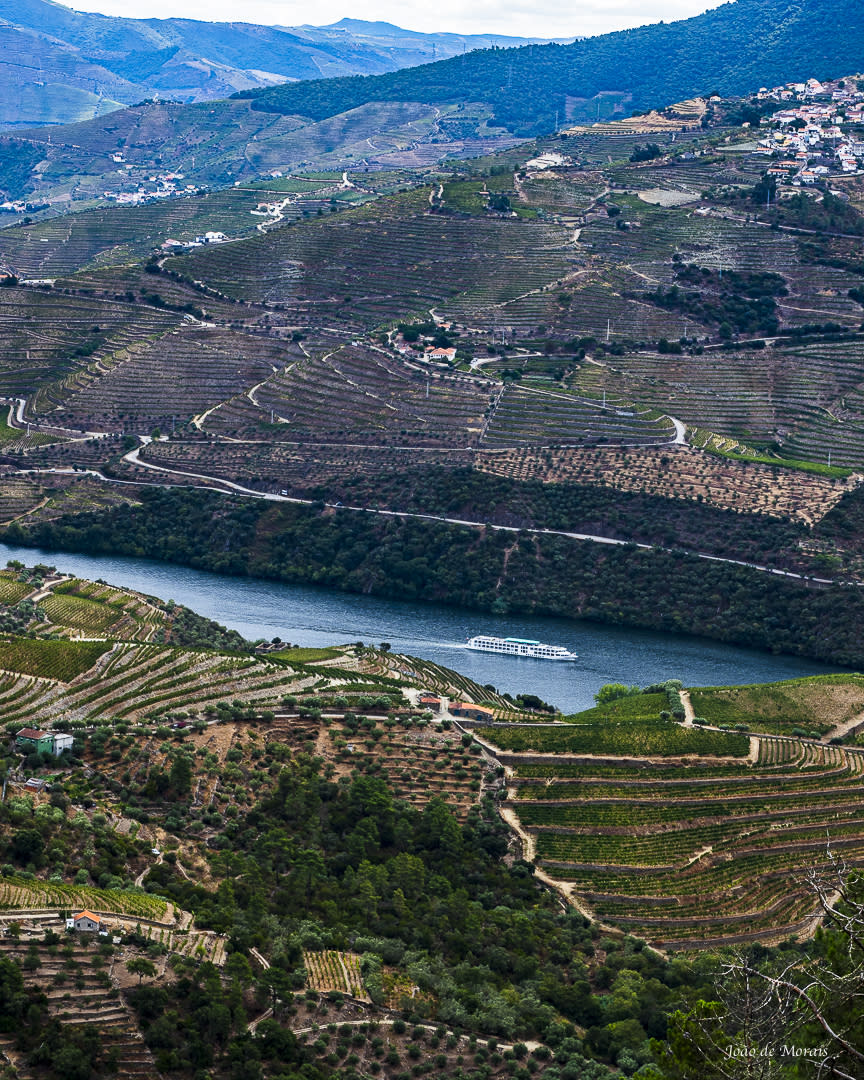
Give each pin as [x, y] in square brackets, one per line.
[108, 61]
[733, 48]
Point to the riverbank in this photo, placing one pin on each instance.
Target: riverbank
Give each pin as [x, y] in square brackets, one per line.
[319, 617]
[471, 567]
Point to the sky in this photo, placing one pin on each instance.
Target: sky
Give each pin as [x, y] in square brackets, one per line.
[525, 18]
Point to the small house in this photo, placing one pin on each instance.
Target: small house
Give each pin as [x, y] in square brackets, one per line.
[63, 742]
[430, 701]
[469, 711]
[34, 740]
[440, 354]
[87, 922]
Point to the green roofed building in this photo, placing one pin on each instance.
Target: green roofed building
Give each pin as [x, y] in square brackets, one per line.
[31, 739]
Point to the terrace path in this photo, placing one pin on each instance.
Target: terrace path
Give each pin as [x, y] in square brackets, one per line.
[139, 881]
[688, 708]
[531, 1046]
[265, 964]
[848, 726]
[680, 431]
[563, 888]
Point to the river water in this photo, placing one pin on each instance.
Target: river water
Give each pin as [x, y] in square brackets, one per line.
[310, 616]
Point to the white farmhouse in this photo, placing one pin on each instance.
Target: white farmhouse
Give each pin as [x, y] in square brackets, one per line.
[62, 742]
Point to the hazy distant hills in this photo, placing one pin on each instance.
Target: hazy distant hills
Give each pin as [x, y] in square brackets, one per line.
[61, 66]
[733, 49]
[471, 104]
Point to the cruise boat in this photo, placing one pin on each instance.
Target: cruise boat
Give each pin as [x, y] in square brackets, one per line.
[514, 646]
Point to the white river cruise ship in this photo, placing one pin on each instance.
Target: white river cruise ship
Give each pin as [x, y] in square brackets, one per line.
[514, 646]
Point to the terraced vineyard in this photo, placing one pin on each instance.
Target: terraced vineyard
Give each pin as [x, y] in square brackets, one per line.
[126, 390]
[804, 398]
[690, 849]
[130, 681]
[560, 193]
[17, 894]
[60, 661]
[678, 472]
[335, 971]
[661, 738]
[597, 306]
[119, 234]
[711, 241]
[48, 334]
[18, 496]
[390, 267]
[522, 416]
[71, 609]
[100, 609]
[361, 395]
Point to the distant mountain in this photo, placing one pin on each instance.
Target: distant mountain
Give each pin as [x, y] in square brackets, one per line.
[733, 49]
[61, 66]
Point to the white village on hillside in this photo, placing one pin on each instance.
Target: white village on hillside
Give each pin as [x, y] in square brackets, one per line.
[813, 138]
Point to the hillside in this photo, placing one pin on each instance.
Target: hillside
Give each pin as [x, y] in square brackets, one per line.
[473, 104]
[160, 150]
[61, 65]
[695, 848]
[732, 48]
[289, 842]
[599, 337]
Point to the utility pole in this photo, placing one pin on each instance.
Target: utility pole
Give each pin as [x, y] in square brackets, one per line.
[608, 328]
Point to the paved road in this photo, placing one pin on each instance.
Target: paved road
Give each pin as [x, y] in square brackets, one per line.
[229, 487]
[133, 458]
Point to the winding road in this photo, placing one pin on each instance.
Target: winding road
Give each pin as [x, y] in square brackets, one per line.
[133, 458]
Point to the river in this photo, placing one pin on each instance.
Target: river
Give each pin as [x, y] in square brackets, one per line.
[311, 616]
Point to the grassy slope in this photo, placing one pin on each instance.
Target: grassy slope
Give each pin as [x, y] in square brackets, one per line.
[815, 704]
[662, 738]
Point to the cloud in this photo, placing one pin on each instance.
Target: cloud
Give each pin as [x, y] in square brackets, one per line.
[524, 18]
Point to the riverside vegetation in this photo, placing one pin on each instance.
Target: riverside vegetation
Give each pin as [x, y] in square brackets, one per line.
[480, 567]
[308, 876]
